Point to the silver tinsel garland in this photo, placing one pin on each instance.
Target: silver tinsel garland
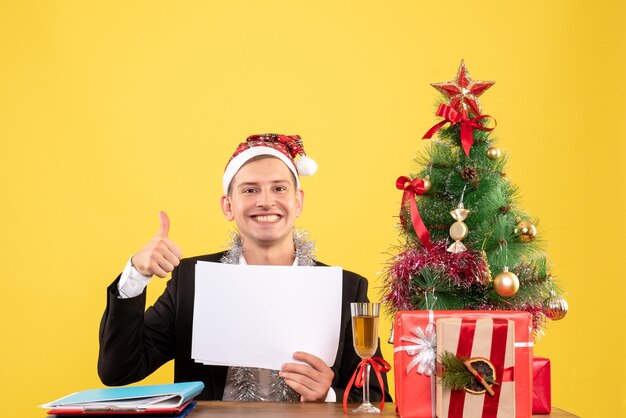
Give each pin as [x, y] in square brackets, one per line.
[280, 390]
[305, 249]
[246, 384]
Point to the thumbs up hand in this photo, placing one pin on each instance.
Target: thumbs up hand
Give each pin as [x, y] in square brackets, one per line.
[160, 255]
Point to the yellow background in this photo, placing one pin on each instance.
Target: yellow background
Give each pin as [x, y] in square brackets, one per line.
[111, 111]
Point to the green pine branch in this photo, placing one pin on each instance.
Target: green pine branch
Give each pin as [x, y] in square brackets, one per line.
[454, 374]
[433, 289]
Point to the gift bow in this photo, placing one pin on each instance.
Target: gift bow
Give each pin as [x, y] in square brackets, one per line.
[379, 365]
[423, 350]
[412, 188]
[467, 125]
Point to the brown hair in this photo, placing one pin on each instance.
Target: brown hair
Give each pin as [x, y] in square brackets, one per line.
[257, 158]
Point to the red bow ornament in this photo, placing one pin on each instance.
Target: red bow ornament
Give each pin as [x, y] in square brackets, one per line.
[453, 117]
[412, 188]
[358, 377]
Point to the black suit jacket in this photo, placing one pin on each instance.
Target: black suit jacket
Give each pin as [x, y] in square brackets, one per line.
[134, 343]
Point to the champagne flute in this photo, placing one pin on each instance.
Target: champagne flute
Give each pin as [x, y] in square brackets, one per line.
[365, 340]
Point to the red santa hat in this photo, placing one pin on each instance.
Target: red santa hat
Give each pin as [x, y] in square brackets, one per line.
[284, 147]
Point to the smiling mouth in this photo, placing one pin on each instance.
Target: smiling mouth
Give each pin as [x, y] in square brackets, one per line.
[266, 218]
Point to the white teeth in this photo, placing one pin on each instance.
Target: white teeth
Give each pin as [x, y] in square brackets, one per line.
[266, 218]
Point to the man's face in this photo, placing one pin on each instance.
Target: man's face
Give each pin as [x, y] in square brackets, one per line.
[264, 202]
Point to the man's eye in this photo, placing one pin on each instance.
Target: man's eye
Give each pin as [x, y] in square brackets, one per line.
[280, 188]
[250, 190]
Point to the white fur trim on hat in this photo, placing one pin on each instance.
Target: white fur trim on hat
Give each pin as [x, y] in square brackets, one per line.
[306, 166]
[238, 161]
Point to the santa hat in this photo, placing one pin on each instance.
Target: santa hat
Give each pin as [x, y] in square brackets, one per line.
[284, 147]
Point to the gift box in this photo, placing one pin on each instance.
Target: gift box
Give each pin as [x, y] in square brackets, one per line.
[542, 403]
[489, 343]
[415, 353]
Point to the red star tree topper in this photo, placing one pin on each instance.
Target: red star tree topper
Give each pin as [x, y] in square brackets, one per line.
[463, 92]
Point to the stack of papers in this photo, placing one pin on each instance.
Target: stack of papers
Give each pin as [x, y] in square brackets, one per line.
[174, 398]
[258, 316]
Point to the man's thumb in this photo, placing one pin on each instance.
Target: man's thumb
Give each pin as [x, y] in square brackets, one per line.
[165, 224]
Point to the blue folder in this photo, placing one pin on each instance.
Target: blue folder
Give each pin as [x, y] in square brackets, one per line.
[129, 398]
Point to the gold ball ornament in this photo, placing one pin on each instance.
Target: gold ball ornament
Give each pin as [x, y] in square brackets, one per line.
[525, 231]
[493, 153]
[555, 308]
[427, 183]
[506, 284]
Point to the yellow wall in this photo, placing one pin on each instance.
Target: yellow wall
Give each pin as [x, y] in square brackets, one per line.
[111, 111]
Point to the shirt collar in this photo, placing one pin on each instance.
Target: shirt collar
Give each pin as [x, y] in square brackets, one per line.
[242, 261]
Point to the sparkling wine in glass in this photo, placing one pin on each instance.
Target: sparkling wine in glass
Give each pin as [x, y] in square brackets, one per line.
[365, 340]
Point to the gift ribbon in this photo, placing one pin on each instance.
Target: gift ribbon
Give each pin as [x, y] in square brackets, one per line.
[490, 407]
[358, 377]
[423, 350]
[508, 374]
[467, 125]
[497, 354]
[412, 188]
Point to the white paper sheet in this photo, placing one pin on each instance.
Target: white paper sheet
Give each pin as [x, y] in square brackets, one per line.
[258, 316]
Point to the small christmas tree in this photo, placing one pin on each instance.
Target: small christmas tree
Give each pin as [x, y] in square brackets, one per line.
[467, 244]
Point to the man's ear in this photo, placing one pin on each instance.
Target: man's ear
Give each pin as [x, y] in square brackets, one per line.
[227, 209]
[299, 202]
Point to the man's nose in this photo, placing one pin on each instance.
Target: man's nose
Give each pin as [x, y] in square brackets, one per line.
[266, 199]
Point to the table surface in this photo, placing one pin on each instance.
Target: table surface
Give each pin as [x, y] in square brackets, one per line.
[215, 409]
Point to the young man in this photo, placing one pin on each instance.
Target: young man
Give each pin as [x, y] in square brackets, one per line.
[262, 195]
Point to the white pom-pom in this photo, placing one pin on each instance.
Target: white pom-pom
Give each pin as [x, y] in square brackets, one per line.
[306, 166]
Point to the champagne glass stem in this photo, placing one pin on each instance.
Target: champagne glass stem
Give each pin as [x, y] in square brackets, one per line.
[366, 384]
